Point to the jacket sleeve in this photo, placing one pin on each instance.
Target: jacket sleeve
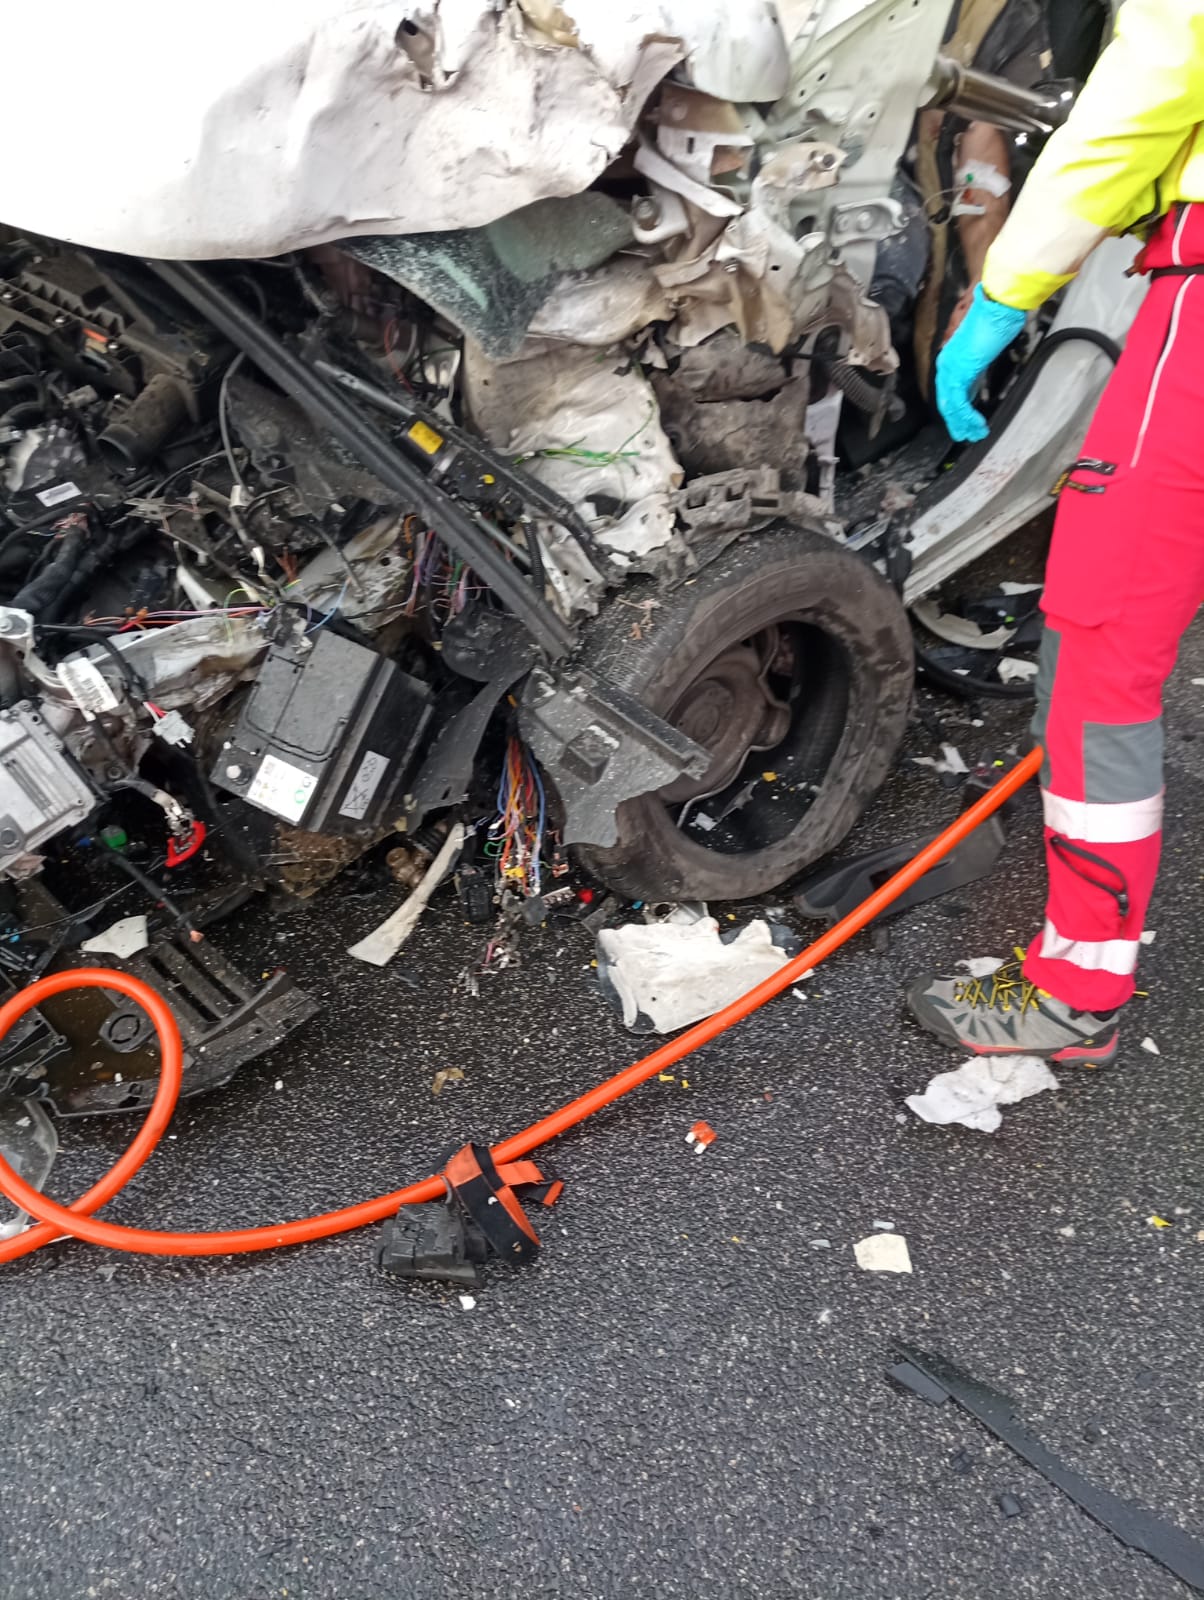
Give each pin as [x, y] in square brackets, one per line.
[1133, 126]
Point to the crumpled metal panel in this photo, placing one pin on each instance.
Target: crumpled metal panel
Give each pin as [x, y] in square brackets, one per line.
[269, 128]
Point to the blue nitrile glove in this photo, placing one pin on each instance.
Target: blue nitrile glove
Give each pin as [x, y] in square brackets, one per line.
[985, 332]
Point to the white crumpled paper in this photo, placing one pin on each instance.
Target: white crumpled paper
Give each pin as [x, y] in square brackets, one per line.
[973, 1093]
[672, 974]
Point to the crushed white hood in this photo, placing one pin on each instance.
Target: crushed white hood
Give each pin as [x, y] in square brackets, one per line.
[246, 128]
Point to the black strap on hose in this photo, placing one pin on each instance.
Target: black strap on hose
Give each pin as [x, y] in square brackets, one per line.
[491, 1203]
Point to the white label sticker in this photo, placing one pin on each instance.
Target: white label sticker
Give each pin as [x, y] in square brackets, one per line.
[86, 685]
[60, 492]
[282, 789]
[364, 785]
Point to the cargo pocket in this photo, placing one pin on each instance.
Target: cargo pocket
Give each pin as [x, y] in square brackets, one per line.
[1094, 550]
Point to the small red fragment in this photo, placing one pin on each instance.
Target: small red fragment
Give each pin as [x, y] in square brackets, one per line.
[586, 896]
[187, 847]
[700, 1136]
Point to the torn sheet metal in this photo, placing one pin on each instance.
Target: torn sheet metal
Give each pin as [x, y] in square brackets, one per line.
[750, 266]
[737, 52]
[703, 136]
[602, 307]
[660, 170]
[295, 125]
[665, 975]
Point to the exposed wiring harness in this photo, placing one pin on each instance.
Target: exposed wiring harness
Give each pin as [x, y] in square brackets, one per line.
[515, 837]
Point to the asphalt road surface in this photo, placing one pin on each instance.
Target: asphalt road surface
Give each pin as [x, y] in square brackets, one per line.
[684, 1396]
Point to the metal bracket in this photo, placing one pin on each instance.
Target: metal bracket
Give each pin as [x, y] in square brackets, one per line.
[16, 628]
[715, 510]
[866, 221]
[600, 746]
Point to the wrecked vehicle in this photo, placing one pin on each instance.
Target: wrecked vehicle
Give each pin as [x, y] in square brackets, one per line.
[440, 384]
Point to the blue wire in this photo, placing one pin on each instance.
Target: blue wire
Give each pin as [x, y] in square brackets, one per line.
[333, 610]
[543, 799]
[543, 817]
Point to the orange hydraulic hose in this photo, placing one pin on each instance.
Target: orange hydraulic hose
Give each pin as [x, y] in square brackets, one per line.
[55, 1220]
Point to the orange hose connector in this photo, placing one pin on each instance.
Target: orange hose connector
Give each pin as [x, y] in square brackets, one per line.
[55, 1220]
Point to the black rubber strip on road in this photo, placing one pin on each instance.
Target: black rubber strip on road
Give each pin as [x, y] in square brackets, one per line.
[936, 1380]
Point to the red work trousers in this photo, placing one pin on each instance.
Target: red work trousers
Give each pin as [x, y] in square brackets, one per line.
[1125, 577]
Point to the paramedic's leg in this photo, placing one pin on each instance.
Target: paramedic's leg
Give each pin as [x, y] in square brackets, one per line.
[1125, 577]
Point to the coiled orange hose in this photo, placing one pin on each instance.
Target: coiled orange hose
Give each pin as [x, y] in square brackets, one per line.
[55, 1220]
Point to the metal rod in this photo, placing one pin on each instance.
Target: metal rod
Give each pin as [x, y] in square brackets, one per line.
[980, 97]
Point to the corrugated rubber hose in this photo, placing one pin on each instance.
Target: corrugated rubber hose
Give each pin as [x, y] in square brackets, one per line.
[55, 1220]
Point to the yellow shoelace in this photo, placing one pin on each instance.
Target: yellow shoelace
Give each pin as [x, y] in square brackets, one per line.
[1005, 989]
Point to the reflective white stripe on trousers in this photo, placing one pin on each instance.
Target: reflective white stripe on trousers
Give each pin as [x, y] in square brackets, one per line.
[1118, 956]
[1093, 823]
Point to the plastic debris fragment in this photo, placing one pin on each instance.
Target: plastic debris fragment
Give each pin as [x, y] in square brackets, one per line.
[950, 761]
[883, 1252]
[701, 1135]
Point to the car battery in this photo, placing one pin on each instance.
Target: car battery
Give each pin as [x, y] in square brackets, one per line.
[326, 736]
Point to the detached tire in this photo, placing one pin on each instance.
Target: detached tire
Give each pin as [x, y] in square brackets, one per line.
[791, 660]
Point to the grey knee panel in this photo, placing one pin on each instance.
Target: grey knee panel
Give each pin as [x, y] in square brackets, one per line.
[1122, 761]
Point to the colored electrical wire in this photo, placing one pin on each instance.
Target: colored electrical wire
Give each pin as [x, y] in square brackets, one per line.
[515, 836]
[333, 612]
[53, 1220]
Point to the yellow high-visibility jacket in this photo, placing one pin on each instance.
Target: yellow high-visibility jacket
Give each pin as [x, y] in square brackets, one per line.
[1131, 147]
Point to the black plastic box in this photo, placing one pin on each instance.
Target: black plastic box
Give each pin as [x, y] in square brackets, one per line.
[327, 735]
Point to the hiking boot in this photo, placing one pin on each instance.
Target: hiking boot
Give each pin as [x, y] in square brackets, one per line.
[1004, 1014]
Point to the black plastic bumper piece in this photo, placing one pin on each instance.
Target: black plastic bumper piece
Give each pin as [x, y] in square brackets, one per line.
[837, 890]
[95, 1052]
[430, 1243]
